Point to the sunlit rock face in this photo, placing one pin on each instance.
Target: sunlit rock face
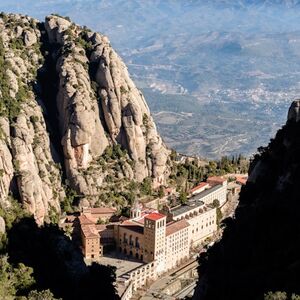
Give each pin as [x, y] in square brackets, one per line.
[85, 99]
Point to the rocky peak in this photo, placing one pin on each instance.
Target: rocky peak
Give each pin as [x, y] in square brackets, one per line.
[294, 111]
[99, 105]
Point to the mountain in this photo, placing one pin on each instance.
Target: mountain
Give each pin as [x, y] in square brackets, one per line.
[236, 61]
[259, 250]
[69, 115]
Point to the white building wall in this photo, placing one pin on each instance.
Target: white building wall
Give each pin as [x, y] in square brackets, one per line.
[202, 226]
[141, 275]
[220, 194]
[177, 248]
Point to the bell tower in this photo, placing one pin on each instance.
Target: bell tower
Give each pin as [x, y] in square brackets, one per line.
[136, 210]
[155, 235]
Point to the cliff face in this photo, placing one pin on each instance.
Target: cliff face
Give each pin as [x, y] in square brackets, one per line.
[27, 163]
[259, 250]
[87, 101]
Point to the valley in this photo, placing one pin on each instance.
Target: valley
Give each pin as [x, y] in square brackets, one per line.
[216, 127]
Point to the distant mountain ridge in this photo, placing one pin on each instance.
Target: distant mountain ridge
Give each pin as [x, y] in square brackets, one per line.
[231, 53]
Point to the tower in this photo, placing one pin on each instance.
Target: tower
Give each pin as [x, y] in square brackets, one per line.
[155, 236]
[136, 210]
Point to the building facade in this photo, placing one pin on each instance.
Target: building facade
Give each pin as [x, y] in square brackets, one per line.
[165, 237]
[177, 243]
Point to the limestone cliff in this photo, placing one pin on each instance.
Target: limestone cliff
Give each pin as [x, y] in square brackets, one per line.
[26, 160]
[59, 81]
[98, 106]
[259, 250]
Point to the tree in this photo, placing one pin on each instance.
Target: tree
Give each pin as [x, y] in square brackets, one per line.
[13, 280]
[216, 203]
[219, 215]
[182, 197]
[161, 192]
[100, 221]
[146, 186]
[64, 272]
[41, 295]
[275, 296]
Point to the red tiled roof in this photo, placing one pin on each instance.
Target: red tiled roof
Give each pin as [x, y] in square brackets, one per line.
[100, 227]
[90, 231]
[84, 220]
[199, 186]
[241, 180]
[103, 210]
[128, 222]
[176, 226]
[155, 216]
[216, 178]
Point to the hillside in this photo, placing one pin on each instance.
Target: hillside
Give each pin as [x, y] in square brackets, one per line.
[70, 117]
[259, 250]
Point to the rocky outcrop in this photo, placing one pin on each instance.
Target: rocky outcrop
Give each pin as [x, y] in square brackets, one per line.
[26, 156]
[6, 164]
[105, 126]
[259, 249]
[294, 111]
[99, 105]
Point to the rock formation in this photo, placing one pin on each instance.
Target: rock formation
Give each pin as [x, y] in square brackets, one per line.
[26, 160]
[97, 107]
[259, 249]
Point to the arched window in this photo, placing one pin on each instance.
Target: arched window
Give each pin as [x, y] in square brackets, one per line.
[130, 240]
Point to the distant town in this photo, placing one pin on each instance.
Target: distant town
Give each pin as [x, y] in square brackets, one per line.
[157, 237]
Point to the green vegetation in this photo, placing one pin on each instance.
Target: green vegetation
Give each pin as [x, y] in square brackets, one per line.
[4, 17]
[53, 215]
[114, 152]
[68, 204]
[14, 279]
[219, 216]
[12, 214]
[146, 186]
[280, 296]
[146, 122]
[118, 197]
[160, 192]
[188, 174]
[216, 203]
[10, 107]
[123, 90]
[7, 107]
[182, 197]
[41, 295]
[82, 42]
[58, 15]
[95, 86]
